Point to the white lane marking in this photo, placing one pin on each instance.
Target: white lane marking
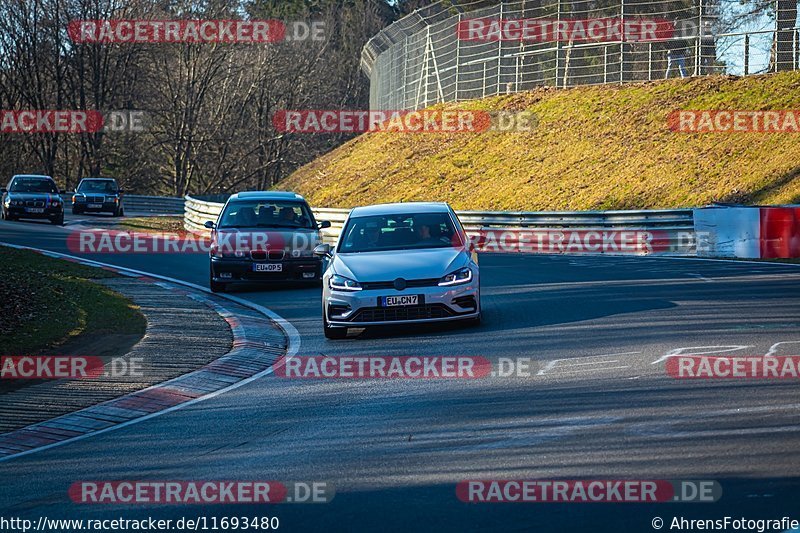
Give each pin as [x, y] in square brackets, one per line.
[700, 276]
[293, 340]
[774, 347]
[553, 362]
[714, 349]
[562, 372]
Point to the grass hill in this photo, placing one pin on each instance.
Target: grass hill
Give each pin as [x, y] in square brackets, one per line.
[603, 147]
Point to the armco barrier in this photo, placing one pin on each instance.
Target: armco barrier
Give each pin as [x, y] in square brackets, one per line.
[135, 203]
[673, 228]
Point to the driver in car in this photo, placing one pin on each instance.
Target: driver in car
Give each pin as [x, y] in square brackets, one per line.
[426, 233]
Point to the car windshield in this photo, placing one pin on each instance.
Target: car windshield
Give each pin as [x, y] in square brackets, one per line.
[266, 214]
[97, 186]
[33, 185]
[398, 232]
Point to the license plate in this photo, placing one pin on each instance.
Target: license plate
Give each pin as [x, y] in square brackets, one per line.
[399, 301]
[34, 209]
[267, 267]
[95, 206]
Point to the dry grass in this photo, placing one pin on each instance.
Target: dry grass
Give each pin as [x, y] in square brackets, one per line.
[594, 148]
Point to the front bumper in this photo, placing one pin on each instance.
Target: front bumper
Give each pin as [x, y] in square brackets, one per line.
[104, 207]
[441, 304]
[21, 212]
[234, 270]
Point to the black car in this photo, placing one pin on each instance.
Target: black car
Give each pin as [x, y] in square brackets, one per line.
[265, 237]
[98, 195]
[32, 196]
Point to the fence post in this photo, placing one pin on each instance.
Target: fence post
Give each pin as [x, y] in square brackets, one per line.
[699, 54]
[650, 61]
[484, 79]
[499, 53]
[622, 42]
[746, 54]
[605, 64]
[458, 53]
[558, 41]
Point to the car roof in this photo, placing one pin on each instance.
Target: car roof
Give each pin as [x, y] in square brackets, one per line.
[266, 195]
[40, 176]
[400, 208]
[98, 179]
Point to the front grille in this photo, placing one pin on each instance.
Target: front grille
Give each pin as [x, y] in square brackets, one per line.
[411, 283]
[263, 255]
[34, 203]
[95, 199]
[389, 314]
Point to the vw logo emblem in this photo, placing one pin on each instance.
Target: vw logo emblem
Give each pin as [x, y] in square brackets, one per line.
[399, 284]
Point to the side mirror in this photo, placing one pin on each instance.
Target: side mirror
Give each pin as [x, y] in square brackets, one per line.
[120, 191]
[62, 191]
[325, 224]
[322, 250]
[209, 224]
[3, 190]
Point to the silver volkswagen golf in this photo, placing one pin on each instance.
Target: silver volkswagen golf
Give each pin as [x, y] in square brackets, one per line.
[399, 263]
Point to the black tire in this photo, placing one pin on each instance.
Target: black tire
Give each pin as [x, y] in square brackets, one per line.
[215, 286]
[122, 211]
[116, 212]
[7, 216]
[58, 221]
[76, 211]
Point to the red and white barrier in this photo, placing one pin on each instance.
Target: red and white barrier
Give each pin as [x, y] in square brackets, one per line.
[748, 232]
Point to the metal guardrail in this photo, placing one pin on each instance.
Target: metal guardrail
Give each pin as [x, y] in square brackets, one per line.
[165, 205]
[676, 224]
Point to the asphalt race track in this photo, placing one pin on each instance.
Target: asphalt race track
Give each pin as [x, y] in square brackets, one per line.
[600, 405]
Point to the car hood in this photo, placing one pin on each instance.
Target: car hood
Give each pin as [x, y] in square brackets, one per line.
[272, 238]
[407, 264]
[34, 196]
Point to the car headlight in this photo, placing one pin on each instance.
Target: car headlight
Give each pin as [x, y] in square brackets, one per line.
[78, 198]
[56, 204]
[462, 275]
[341, 283]
[111, 199]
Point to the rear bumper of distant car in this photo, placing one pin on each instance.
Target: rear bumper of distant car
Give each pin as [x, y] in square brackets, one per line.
[437, 304]
[235, 270]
